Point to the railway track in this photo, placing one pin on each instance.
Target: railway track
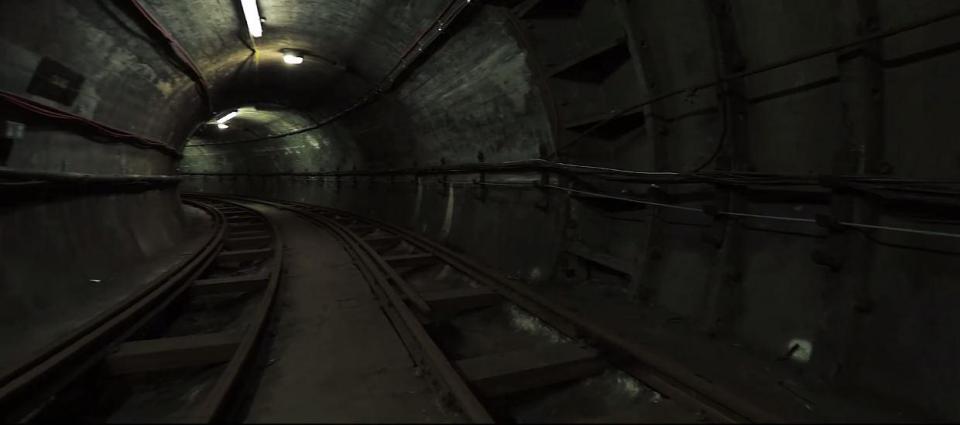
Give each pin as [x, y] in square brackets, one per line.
[503, 353]
[175, 350]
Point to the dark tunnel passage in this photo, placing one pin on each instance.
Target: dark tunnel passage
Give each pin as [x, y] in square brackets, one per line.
[594, 210]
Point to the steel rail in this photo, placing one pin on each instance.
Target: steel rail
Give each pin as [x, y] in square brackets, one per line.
[660, 373]
[56, 365]
[29, 389]
[406, 320]
[455, 383]
[663, 374]
[651, 369]
[212, 408]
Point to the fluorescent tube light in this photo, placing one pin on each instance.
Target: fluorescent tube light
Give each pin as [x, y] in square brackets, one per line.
[252, 16]
[292, 59]
[227, 117]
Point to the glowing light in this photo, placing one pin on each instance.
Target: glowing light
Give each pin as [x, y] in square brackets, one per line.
[252, 15]
[799, 350]
[292, 59]
[223, 126]
[227, 117]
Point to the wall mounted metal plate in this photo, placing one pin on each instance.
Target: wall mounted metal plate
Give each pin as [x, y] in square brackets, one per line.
[56, 82]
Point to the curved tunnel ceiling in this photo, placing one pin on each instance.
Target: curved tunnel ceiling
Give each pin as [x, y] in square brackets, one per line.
[132, 80]
[348, 47]
[251, 123]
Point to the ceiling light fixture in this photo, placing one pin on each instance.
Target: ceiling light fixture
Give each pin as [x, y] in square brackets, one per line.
[227, 117]
[292, 58]
[252, 16]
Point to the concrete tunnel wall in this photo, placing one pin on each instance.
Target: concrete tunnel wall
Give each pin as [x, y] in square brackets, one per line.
[479, 92]
[52, 247]
[63, 251]
[483, 90]
[475, 95]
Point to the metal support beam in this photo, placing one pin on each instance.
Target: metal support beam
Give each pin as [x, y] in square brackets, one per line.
[249, 242]
[649, 248]
[724, 293]
[453, 301]
[235, 227]
[172, 353]
[411, 260]
[227, 257]
[502, 374]
[847, 299]
[230, 284]
[361, 229]
[382, 242]
[248, 234]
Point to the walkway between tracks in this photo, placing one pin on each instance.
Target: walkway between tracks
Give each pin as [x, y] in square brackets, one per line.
[335, 356]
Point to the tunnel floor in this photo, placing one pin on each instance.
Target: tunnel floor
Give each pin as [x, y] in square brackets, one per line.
[335, 356]
[320, 315]
[332, 333]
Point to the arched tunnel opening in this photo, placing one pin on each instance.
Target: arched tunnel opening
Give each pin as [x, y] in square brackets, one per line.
[479, 210]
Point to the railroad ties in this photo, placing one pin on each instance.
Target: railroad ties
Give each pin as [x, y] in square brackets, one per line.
[192, 334]
[248, 243]
[499, 354]
[490, 373]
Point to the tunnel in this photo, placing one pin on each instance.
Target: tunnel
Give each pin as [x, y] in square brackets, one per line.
[632, 211]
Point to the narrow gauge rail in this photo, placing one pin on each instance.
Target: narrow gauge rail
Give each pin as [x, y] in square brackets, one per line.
[173, 351]
[486, 385]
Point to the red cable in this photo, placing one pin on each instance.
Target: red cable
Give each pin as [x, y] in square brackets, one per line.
[53, 113]
[423, 33]
[181, 53]
[178, 50]
[369, 96]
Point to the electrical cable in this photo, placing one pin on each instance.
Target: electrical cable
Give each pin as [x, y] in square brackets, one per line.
[665, 205]
[620, 198]
[259, 139]
[723, 135]
[112, 133]
[856, 226]
[390, 77]
[694, 88]
[607, 173]
[42, 176]
[900, 229]
[873, 239]
[757, 216]
[594, 168]
[179, 52]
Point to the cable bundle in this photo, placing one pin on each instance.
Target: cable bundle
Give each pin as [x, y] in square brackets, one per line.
[113, 133]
